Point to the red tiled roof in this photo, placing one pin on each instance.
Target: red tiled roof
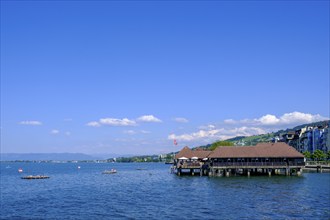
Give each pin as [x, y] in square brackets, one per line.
[201, 154]
[188, 153]
[264, 150]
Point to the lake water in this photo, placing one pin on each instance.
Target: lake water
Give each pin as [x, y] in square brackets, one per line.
[154, 193]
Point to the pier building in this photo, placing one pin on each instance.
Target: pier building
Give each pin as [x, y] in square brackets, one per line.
[262, 159]
[192, 161]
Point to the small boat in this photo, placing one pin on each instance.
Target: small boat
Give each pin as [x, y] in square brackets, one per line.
[141, 168]
[112, 171]
[30, 177]
[20, 170]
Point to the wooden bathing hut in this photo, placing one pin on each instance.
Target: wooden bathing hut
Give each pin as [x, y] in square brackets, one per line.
[191, 162]
[262, 159]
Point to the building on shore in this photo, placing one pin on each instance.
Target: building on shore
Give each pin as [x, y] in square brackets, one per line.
[262, 159]
[309, 138]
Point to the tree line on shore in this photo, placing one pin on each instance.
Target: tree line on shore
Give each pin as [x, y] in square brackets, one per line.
[318, 155]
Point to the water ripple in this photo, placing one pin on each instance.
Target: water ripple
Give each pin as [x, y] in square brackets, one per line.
[153, 193]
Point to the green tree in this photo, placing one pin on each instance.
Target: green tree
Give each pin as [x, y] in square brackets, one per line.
[307, 154]
[169, 158]
[328, 155]
[220, 143]
[319, 155]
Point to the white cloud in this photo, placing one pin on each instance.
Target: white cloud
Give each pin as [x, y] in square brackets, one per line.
[298, 117]
[93, 124]
[201, 134]
[207, 127]
[211, 127]
[122, 122]
[293, 118]
[247, 127]
[117, 122]
[245, 131]
[181, 120]
[287, 119]
[54, 131]
[33, 123]
[148, 118]
[217, 134]
[229, 121]
[112, 122]
[268, 120]
[131, 132]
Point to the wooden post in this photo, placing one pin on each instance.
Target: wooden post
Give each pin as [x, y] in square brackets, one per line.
[211, 172]
[299, 172]
[287, 171]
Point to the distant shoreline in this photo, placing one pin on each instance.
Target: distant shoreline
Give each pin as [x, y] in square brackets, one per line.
[71, 161]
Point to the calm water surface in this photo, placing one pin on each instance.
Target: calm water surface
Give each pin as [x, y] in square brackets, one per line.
[154, 193]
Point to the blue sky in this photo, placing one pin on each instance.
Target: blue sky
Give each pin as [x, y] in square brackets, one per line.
[113, 77]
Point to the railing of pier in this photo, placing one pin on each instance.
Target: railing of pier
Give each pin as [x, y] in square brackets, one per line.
[316, 163]
[189, 164]
[256, 164]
